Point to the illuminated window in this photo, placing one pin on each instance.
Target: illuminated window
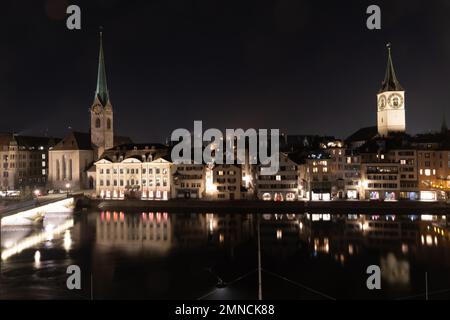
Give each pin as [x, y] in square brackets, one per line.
[325, 169]
[427, 172]
[315, 170]
[278, 178]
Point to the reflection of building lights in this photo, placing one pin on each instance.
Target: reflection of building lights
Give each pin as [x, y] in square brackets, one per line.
[49, 230]
[221, 238]
[364, 226]
[37, 258]
[34, 240]
[350, 249]
[429, 240]
[405, 248]
[67, 240]
[279, 234]
[395, 271]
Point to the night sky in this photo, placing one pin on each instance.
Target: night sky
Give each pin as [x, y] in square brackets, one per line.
[303, 66]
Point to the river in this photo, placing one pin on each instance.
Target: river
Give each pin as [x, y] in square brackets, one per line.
[160, 255]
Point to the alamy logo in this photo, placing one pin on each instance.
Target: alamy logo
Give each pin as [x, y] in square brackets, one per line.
[374, 280]
[230, 149]
[74, 280]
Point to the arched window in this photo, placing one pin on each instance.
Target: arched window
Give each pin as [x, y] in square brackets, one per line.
[97, 123]
[108, 124]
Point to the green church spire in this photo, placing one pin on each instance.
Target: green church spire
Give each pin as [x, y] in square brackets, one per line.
[390, 82]
[102, 88]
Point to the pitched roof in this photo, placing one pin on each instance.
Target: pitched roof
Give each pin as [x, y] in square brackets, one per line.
[390, 82]
[102, 87]
[120, 140]
[27, 141]
[363, 134]
[137, 151]
[75, 141]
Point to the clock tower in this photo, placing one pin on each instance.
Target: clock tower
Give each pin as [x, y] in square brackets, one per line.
[391, 102]
[102, 125]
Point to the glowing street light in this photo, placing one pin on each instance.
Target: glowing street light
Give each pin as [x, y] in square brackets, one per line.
[37, 192]
[67, 189]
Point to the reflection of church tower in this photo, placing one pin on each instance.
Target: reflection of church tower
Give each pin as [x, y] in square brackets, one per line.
[102, 133]
[391, 102]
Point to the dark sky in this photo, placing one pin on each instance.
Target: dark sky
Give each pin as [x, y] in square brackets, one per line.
[303, 66]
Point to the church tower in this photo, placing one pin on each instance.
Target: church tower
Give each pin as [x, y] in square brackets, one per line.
[391, 102]
[102, 124]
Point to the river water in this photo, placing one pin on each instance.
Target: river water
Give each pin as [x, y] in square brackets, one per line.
[159, 255]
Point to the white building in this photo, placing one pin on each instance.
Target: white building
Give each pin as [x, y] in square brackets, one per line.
[141, 171]
[391, 102]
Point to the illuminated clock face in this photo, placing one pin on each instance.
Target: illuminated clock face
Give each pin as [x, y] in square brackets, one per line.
[395, 100]
[382, 102]
[97, 109]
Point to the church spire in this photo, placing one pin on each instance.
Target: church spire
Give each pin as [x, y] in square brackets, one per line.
[390, 82]
[102, 88]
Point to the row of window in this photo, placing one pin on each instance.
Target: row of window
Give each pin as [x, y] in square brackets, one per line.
[132, 182]
[222, 173]
[134, 171]
[383, 185]
[381, 177]
[278, 186]
[20, 156]
[191, 185]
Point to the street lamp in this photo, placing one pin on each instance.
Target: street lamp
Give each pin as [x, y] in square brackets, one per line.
[37, 192]
[67, 189]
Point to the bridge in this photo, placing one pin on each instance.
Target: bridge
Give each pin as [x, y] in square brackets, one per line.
[29, 213]
[32, 207]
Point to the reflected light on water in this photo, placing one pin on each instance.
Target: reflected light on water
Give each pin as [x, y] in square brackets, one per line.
[36, 239]
[67, 240]
[37, 258]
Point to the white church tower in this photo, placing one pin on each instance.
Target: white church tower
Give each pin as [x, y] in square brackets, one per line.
[102, 125]
[391, 102]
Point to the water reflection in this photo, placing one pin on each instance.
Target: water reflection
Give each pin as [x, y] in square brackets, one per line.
[162, 255]
[324, 233]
